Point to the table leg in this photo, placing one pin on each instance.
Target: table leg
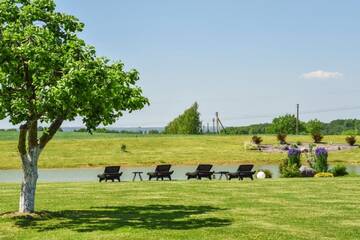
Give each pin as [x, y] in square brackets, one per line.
[134, 176]
[220, 176]
[140, 177]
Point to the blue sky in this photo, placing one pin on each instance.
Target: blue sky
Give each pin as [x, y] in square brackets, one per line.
[248, 60]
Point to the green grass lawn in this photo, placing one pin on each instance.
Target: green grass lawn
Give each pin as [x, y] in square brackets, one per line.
[271, 209]
[70, 149]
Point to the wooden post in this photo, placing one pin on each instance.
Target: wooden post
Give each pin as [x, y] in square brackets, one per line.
[213, 125]
[297, 119]
[217, 122]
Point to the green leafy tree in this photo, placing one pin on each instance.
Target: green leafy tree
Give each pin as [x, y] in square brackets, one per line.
[285, 125]
[187, 123]
[49, 75]
[315, 127]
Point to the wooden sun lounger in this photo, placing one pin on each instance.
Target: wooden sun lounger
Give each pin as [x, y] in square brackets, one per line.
[161, 172]
[244, 171]
[203, 170]
[110, 173]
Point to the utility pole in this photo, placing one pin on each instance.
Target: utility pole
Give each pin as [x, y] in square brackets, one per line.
[217, 122]
[213, 125]
[297, 119]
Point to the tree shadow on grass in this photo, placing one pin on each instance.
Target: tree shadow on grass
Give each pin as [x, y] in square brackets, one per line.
[176, 217]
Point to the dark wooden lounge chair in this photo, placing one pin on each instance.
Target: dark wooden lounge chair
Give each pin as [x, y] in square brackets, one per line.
[110, 173]
[203, 170]
[244, 171]
[161, 171]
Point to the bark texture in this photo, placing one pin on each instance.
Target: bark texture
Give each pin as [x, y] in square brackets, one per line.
[29, 157]
[28, 185]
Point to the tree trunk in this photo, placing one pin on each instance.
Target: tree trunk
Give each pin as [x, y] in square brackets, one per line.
[30, 176]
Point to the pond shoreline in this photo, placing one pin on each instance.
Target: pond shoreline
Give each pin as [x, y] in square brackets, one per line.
[90, 174]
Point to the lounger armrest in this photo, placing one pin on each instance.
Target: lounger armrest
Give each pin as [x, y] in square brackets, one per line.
[191, 173]
[233, 173]
[247, 172]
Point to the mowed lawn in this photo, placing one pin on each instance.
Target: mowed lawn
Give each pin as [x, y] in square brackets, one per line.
[268, 209]
[69, 149]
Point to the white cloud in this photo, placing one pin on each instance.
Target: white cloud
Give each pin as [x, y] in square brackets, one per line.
[320, 74]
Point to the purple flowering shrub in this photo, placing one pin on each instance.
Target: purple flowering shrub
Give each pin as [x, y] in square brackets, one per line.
[294, 156]
[321, 157]
[290, 166]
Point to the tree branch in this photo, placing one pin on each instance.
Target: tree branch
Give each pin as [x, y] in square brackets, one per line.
[31, 88]
[48, 135]
[32, 136]
[22, 139]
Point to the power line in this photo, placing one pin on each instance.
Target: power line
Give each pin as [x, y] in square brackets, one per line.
[248, 117]
[331, 110]
[301, 112]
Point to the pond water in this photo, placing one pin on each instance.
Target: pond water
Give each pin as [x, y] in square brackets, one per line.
[90, 174]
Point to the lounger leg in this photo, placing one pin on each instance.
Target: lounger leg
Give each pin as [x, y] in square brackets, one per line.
[170, 178]
[252, 178]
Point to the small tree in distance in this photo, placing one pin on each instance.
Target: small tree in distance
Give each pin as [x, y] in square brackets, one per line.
[351, 140]
[186, 123]
[284, 125]
[314, 127]
[49, 75]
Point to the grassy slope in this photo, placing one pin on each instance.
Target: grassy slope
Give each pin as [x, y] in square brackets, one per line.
[84, 150]
[272, 209]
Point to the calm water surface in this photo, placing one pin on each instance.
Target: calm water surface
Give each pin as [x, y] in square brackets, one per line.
[89, 174]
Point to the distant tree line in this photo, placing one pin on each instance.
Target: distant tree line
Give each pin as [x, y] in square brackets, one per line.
[106, 130]
[287, 125]
[8, 130]
[189, 123]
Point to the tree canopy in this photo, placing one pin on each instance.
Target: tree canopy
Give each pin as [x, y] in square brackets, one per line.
[49, 74]
[186, 123]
